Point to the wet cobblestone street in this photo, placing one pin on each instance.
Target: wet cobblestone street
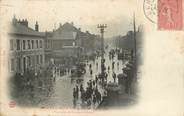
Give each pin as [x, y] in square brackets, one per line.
[62, 96]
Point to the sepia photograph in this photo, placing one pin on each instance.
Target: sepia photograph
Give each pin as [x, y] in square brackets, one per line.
[72, 67]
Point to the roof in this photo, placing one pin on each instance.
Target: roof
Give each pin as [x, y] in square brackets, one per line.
[20, 29]
[68, 27]
[66, 32]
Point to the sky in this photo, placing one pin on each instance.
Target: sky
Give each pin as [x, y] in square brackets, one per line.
[86, 14]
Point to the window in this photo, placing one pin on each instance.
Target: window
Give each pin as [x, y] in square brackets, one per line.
[24, 44]
[29, 60]
[41, 59]
[19, 64]
[47, 44]
[18, 44]
[24, 64]
[11, 44]
[36, 43]
[50, 44]
[29, 44]
[37, 59]
[41, 44]
[32, 42]
[12, 65]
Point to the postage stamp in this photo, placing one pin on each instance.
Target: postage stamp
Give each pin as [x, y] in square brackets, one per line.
[170, 14]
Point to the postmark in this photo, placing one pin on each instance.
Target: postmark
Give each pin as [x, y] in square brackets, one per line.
[170, 15]
[150, 10]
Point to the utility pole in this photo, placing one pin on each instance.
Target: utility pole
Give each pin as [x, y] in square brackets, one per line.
[135, 49]
[102, 27]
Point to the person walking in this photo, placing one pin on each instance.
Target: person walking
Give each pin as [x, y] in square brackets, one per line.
[113, 64]
[81, 88]
[108, 68]
[90, 84]
[90, 66]
[91, 72]
[94, 83]
[94, 99]
[77, 92]
[98, 96]
[105, 76]
[74, 93]
[96, 79]
[118, 65]
[114, 76]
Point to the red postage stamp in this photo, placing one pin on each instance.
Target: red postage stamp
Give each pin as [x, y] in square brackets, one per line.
[170, 15]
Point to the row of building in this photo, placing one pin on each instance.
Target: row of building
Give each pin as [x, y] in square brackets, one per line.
[130, 42]
[31, 49]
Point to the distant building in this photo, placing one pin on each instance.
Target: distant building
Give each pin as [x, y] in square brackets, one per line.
[31, 49]
[69, 42]
[126, 41]
[140, 45]
[89, 42]
[65, 35]
[63, 42]
[26, 46]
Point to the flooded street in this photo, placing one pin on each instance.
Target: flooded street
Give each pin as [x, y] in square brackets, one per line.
[62, 95]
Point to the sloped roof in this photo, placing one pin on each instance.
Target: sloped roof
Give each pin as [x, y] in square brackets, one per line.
[67, 27]
[20, 29]
[66, 32]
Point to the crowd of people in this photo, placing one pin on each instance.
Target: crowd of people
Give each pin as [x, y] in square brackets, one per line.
[96, 88]
[88, 97]
[30, 85]
[92, 94]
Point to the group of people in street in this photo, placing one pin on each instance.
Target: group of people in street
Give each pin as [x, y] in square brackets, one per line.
[30, 85]
[88, 97]
[97, 86]
[90, 69]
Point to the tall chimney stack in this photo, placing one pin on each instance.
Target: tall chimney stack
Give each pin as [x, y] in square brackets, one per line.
[36, 26]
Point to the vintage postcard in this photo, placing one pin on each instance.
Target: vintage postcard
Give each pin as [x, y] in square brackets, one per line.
[91, 57]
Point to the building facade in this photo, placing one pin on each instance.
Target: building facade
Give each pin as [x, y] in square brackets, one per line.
[26, 47]
[31, 49]
[70, 42]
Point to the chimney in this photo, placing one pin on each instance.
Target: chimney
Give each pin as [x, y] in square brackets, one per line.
[60, 25]
[36, 26]
[71, 23]
[26, 23]
[14, 21]
[23, 22]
